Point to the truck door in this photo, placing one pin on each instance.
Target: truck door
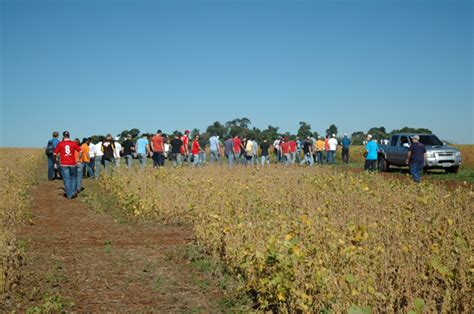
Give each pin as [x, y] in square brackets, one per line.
[401, 151]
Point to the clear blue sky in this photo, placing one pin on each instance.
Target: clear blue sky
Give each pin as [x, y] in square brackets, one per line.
[94, 67]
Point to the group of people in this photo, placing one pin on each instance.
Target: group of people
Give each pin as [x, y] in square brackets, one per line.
[72, 160]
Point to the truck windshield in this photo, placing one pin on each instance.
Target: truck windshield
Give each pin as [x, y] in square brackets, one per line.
[431, 140]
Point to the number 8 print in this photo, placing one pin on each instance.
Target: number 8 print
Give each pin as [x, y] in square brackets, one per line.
[67, 149]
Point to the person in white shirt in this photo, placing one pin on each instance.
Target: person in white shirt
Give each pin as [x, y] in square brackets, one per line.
[98, 153]
[92, 159]
[117, 151]
[332, 148]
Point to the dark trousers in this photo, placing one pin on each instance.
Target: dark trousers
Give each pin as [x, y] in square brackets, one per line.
[158, 159]
[345, 155]
[415, 170]
[370, 165]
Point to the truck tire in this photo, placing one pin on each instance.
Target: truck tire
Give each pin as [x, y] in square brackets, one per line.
[383, 165]
[454, 169]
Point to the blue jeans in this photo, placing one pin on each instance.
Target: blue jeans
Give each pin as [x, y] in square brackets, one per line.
[109, 165]
[142, 159]
[415, 170]
[308, 159]
[98, 165]
[202, 158]
[51, 172]
[320, 157]
[265, 160]
[80, 173]
[292, 158]
[196, 160]
[70, 179]
[215, 156]
[331, 156]
[92, 167]
[230, 159]
[177, 159]
[88, 169]
[128, 160]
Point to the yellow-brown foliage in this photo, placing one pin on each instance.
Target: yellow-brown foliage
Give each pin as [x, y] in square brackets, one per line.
[18, 172]
[467, 154]
[312, 239]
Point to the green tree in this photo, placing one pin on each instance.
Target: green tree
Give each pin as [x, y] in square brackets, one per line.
[304, 130]
[331, 130]
[238, 127]
[270, 134]
[217, 128]
[194, 132]
[357, 138]
[412, 130]
[378, 133]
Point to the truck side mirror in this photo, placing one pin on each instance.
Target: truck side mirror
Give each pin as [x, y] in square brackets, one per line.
[406, 145]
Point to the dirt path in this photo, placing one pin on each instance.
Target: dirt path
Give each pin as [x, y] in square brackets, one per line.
[101, 265]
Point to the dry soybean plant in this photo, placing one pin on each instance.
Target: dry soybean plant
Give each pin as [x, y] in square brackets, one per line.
[319, 239]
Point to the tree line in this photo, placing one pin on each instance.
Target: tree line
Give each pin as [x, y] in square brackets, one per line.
[243, 127]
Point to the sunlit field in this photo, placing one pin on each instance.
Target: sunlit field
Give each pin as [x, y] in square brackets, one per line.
[18, 168]
[317, 239]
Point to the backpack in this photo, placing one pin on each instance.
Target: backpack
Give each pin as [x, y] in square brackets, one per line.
[49, 150]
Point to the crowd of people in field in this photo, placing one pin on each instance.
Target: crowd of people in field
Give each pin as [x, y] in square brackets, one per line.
[73, 160]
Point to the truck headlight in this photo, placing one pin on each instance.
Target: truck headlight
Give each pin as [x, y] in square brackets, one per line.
[430, 155]
[458, 154]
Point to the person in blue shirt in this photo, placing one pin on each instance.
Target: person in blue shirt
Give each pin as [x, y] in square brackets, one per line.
[143, 149]
[53, 169]
[346, 142]
[371, 154]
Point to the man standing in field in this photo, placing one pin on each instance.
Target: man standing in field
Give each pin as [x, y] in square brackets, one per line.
[195, 150]
[157, 147]
[128, 150]
[229, 150]
[85, 159]
[237, 148]
[346, 142]
[185, 146]
[66, 151]
[285, 151]
[265, 156]
[293, 147]
[416, 158]
[215, 149]
[319, 150]
[308, 152]
[371, 154]
[49, 151]
[142, 149]
[332, 142]
[176, 145]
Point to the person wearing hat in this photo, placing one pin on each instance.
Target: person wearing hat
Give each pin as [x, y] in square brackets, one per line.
[66, 150]
[345, 142]
[416, 158]
[142, 147]
[319, 150]
[185, 146]
[117, 151]
[371, 154]
[332, 143]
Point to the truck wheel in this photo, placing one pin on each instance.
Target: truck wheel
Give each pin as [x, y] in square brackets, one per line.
[383, 164]
[452, 170]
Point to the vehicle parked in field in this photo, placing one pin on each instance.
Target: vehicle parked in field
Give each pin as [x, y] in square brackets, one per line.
[439, 155]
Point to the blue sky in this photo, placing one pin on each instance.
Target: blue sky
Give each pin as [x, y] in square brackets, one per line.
[94, 67]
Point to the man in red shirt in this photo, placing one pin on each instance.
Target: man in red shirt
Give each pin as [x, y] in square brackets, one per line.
[196, 149]
[237, 148]
[293, 145]
[185, 146]
[66, 151]
[285, 150]
[158, 148]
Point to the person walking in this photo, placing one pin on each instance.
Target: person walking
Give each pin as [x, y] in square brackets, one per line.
[326, 147]
[215, 149]
[117, 151]
[185, 147]
[264, 147]
[416, 158]
[176, 145]
[285, 151]
[320, 147]
[79, 166]
[142, 147]
[237, 148]
[371, 154]
[332, 143]
[65, 150]
[248, 151]
[108, 148]
[276, 147]
[86, 159]
[195, 150]
[308, 152]
[49, 151]
[299, 146]
[128, 150]
[157, 147]
[229, 150]
[99, 155]
[255, 152]
[293, 147]
[91, 158]
[345, 142]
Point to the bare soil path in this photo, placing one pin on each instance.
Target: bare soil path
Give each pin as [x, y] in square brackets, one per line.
[101, 265]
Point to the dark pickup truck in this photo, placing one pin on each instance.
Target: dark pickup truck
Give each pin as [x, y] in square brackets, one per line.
[439, 155]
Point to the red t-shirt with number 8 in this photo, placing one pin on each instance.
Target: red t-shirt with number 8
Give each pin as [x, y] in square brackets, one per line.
[66, 150]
